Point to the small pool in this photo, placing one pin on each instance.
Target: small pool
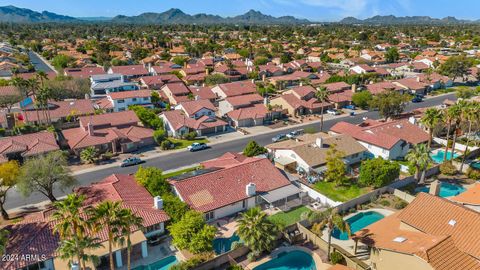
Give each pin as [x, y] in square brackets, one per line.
[438, 156]
[446, 190]
[222, 245]
[163, 264]
[358, 222]
[291, 260]
[475, 165]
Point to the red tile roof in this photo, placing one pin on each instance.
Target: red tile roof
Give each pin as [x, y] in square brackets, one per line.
[130, 70]
[238, 88]
[110, 119]
[84, 72]
[130, 94]
[253, 112]
[178, 119]
[223, 187]
[177, 88]
[29, 144]
[203, 92]
[244, 100]
[9, 90]
[62, 109]
[380, 87]
[193, 106]
[337, 86]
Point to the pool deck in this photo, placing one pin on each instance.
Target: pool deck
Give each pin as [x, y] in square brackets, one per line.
[225, 227]
[316, 258]
[349, 244]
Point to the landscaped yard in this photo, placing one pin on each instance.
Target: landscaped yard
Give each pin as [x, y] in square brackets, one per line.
[180, 143]
[341, 193]
[290, 217]
[179, 172]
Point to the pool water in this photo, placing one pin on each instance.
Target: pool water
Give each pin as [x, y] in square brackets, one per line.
[222, 245]
[358, 222]
[475, 165]
[292, 260]
[163, 264]
[438, 156]
[446, 190]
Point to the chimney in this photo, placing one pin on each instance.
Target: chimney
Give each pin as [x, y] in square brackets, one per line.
[265, 101]
[149, 67]
[435, 187]
[264, 77]
[74, 266]
[301, 83]
[412, 120]
[90, 129]
[354, 88]
[207, 71]
[251, 189]
[319, 142]
[253, 81]
[87, 96]
[418, 79]
[158, 203]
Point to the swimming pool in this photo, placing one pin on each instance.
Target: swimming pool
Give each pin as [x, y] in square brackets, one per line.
[222, 245]
[438, 156]
[291, 260]
[163, 264]
[446, 190]
[358, 222]
[475, 165]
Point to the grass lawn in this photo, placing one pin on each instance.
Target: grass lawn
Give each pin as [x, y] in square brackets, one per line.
[340, 194]
[290, 217]
[179, 172]
[179, 143]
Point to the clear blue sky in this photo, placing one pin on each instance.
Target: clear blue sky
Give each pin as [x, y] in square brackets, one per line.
[317, 10]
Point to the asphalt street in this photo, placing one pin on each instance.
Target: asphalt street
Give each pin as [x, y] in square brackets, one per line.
[185, 158]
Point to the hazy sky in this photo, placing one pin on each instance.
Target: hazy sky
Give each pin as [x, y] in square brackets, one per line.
[317, 10]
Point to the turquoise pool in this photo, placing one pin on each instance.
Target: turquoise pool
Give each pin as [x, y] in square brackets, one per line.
[222, 245]
[475, 165]
[358, 222]
[163, 264]
[292, 260]
[438, 156]
[446, 190]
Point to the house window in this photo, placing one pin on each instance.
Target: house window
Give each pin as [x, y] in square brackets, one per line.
[145, 98]
[244, 204]
[134, 99]
[210, 215]
[121, 101]
[152, 228]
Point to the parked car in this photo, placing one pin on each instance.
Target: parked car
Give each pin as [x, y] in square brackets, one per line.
[197, 147]
[417, 99]
[351, 107]
[131, 161]
[333, 112]
[294, 134]
[279, 137]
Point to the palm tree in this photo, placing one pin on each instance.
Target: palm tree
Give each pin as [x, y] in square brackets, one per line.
[105, 216]
[330, 219]
[322, 96]
[68, 249]
[458, 118]
[256, 231]
[419, 157]
[71, 226]
[472, 115]
[128, 220]
[21, 84]
[430, 119]
[3, 240]
[33, 87]
[449, 116]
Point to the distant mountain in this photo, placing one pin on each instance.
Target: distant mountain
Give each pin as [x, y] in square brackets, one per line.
[23, 15]
[95, 19]
[176, 16]
[391, 19]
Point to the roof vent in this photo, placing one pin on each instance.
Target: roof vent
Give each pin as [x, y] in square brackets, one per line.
[399, 239]
[399, 126]
[452, 222]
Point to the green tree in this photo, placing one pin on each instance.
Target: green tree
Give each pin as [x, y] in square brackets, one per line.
[152, 179]
[127, 221]
[61, 61]
[456, 66]
[106, 216]
[3, 240]
[389, 103]
[392, 55]
[89, 155]
[330, 219]
[254, 149]
[67, 250]
[256, 231]
[378, 172]
[9, 172]
[260, 61]
[431, 119]
[322, 96]
[148, 117]
[215, 79]
[336, 168]
[472, 116]
[179, 60]
[192, 233]
[159, 136]
[42, 173]
[174, 207]
[362, 99]
[7, 101]
[449, 116]
[419, 157]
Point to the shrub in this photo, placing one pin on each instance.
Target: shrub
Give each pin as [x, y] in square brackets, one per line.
[336, 257]
[400, 204]
[159, 136]
[107, 155]
[447, 168]
[378, 172]
[89, 155]
[384, 203]
[2, 132]
[473, 174]
[235, 267]
[252, 257]
[190, 136]
[310, 130]
[166, 145]
[254, 149]
[237, 244]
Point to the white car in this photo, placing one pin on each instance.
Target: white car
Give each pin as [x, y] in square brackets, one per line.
[333, 112]
[197, 147]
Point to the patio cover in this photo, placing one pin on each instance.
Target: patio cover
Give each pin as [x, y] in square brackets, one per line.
[284, 161]
[280, 193]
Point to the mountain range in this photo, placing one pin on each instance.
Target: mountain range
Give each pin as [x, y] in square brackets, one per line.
[176, 16]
